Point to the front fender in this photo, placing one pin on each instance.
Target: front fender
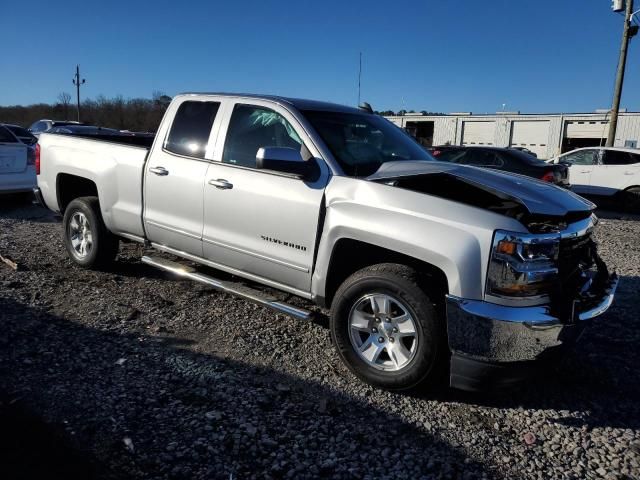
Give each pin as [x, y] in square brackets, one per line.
[453, 237]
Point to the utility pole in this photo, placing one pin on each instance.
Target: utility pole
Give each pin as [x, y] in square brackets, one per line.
[359, 76]
[617, 93]
[77, 82]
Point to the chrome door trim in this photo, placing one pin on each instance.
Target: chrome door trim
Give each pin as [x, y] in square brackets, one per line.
[174, 230]
[233, 271]
[299, 268]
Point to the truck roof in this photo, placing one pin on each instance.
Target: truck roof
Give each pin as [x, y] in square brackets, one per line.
[299, 103]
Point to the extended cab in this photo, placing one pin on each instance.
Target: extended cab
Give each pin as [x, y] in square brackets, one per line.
[426, 266]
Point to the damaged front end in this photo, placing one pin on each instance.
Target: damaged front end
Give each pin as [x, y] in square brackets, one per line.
[538, 215]
[541, 290]
[541, 287]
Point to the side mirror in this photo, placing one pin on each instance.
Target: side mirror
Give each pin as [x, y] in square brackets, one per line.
[282, 159]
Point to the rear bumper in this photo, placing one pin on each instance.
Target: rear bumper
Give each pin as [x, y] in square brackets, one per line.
[18, 182]
[496, 346]
[39, 198]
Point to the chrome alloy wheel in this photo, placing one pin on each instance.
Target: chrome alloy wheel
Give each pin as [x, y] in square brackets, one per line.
[383, 332]
[80, 235]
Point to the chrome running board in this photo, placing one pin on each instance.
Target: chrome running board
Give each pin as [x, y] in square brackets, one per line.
[228, 287]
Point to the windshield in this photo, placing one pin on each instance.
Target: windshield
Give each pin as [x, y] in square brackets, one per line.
[362, 142]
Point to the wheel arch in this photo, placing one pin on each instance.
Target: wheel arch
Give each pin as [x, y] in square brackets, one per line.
[69, 187]
[350, 255]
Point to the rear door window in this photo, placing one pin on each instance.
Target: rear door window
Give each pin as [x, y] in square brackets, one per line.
[191, 127]
[479, 158]
[252, 127]
[493, 160]
[616, 157]
[452, 155]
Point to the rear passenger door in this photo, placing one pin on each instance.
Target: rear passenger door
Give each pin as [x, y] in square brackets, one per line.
[262, 223]
[619, 170]
[174, 177]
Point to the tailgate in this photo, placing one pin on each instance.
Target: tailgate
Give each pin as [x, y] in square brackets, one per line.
[13, 157]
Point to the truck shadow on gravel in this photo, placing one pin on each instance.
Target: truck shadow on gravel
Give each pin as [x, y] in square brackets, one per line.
[597, 384]
[136, 406]
[21, 207]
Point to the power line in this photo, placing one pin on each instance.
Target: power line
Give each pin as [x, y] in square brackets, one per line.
[359, 77]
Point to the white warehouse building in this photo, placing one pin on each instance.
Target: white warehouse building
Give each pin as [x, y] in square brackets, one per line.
[546, 135]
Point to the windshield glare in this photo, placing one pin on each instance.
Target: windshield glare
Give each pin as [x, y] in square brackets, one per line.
[361, 143]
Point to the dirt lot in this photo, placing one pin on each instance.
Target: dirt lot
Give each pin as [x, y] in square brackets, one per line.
[132, 374]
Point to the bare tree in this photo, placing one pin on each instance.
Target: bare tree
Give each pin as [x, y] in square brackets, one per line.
[65, 99]
[135, 114]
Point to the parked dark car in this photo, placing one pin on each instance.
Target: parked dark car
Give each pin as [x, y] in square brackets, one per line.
[507, 159]
[525, 150]
[24, 135]
[40, 126]
[84, 130]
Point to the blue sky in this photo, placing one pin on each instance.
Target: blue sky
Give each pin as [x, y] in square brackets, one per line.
[470, 55]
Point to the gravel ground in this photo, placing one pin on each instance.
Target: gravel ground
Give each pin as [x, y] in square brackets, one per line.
[150, 377]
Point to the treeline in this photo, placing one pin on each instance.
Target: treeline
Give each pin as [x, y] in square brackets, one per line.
[135, 114]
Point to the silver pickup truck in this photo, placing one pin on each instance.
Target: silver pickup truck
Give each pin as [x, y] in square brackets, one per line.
[427, 267]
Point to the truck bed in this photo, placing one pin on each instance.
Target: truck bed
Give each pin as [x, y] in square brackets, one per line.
[137, 140]
[113, 163]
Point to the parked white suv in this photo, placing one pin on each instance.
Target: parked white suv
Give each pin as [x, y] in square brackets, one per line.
[606, 172]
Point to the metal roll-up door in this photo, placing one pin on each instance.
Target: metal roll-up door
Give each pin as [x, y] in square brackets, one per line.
[478, 132]
[587, 129]
[531, 134]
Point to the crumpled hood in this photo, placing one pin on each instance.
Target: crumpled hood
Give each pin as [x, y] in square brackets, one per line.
[539, 198]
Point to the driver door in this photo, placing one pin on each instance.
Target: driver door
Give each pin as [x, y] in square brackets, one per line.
[581, 166]
[261, 223]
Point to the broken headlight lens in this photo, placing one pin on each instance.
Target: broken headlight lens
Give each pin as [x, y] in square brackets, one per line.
[522, 265]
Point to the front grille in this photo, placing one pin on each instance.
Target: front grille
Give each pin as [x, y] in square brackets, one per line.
[575, 255]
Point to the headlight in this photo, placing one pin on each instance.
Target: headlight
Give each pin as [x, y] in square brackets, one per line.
[522, 266]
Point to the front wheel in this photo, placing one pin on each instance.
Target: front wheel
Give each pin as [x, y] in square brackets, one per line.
[631, 200]
[386, 329]
[88, 242]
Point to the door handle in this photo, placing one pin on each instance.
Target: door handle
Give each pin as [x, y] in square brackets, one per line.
[159, 171]
[221, 183]
[585, 171]
[629, 173]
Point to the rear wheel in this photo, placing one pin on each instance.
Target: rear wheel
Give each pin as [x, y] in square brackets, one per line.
[88, 242]
[386, 329]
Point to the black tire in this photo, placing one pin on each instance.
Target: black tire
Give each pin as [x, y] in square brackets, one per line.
[400, 283]
[104, 245]
[630, 200]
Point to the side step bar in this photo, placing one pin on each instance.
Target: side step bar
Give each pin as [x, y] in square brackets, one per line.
[229, 287]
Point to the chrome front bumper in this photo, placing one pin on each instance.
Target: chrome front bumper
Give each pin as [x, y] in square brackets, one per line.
[485, 336]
